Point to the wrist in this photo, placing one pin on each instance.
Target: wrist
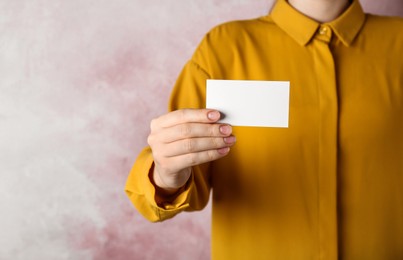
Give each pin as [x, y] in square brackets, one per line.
[160, 186]
[164, 194]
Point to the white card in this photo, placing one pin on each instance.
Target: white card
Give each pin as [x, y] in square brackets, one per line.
[250, 102]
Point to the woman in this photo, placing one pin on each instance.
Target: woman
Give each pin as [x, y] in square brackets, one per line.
[327, 187]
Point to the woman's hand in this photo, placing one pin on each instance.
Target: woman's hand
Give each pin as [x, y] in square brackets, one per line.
[185, 138]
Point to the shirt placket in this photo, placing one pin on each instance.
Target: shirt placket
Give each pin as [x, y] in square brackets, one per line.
[328, 125]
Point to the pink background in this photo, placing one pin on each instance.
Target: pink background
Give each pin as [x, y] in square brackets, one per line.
[79, 82]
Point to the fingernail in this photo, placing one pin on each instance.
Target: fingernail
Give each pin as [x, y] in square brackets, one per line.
[230, 140]
[225, 129]
[213, 115]
[223, 150]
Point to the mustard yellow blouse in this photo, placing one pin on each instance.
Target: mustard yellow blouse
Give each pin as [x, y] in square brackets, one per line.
[331, 185]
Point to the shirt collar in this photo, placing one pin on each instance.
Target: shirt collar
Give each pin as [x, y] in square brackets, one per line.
[303, 28]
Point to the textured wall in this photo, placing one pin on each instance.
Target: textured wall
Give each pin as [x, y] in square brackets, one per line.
[79, 82]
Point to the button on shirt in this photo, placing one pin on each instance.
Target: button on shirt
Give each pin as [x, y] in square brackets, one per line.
[331, 185]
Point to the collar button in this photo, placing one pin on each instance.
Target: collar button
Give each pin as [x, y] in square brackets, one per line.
[323, 30]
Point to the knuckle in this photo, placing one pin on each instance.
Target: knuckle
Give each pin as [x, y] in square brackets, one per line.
[189, 145]
[187, 115]
[150, 140]
[192, 159]
[216, 130]
[212, 130]
[182, 115]
[157, 156]
[211, 155]
[154, 141]
[185, 130]
[159, 153]
[215, 142]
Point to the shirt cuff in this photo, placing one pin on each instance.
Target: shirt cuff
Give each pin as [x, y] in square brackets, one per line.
[169, 205]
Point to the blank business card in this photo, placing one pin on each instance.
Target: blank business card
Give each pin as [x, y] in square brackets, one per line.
[250, 102]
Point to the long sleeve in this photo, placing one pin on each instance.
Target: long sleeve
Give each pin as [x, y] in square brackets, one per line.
[189, 92]
[330, 185]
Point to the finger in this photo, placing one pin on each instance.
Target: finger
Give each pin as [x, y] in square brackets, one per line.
[195, 145]
[193, 130]
[185, 116]
[192, 159]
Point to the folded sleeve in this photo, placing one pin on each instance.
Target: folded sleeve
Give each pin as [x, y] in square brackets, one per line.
[189, 92]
